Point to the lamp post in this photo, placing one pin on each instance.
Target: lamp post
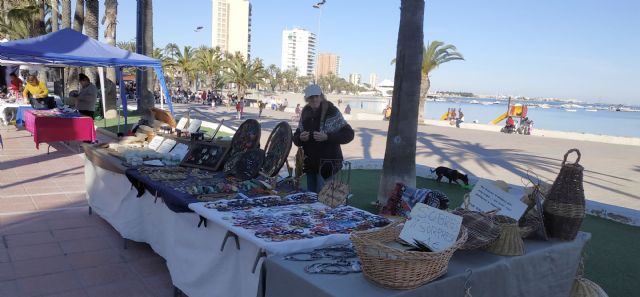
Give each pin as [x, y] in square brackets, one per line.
[319, 7]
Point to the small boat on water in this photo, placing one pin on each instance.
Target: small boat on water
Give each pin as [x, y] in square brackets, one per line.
[474, 102]
[570, 110]
[591, 110]
[544, 106]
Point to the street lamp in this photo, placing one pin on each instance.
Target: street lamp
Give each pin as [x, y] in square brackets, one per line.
[319, 7]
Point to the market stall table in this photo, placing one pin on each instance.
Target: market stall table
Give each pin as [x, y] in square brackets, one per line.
[547, 269]
[52, 125]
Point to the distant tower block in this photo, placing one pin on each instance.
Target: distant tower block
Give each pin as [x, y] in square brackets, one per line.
[231, 26]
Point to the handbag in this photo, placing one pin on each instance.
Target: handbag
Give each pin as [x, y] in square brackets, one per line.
[336, 192]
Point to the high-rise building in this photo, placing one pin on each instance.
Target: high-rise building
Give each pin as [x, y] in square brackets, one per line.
[373, 80]
[328, 63]
[354, 78]
[298, 51]
[231, 26]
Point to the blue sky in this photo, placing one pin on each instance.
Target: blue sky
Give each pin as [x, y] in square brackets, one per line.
[580, 49]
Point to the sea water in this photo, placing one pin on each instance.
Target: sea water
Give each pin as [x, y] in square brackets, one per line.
[603, 122]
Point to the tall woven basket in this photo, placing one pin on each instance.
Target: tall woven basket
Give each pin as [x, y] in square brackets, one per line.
[564, 208]
[398, 269]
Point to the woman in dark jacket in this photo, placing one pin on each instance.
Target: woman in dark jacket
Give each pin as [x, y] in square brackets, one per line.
[321, 131]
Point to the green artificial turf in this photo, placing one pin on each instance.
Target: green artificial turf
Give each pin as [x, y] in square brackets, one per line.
[612, 257]
[112, 124]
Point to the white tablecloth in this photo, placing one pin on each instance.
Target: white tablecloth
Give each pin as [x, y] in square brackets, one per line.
[272, 248]
[193, 256]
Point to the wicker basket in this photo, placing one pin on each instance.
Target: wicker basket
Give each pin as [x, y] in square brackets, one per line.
[564, 208]
[398, 269]
[482, 228]
[529, 223]
[509, 243]
[583, 287]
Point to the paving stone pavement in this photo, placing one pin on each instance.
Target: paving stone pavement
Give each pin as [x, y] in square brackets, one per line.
[50, 245]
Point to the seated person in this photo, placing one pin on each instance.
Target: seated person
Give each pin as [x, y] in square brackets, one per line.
[15, 85]
[87, 97]
[511, 123]
[38, 92]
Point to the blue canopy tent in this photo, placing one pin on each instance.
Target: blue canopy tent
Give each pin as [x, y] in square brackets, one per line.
[71, 48]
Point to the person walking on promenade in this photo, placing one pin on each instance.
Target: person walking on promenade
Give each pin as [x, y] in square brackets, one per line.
[320, 132]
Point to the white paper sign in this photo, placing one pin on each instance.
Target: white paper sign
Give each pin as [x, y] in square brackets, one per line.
[435, 228]
[166, 146]
[194, 126]
[486, 196]
[180, 150]
[155, 142]
[182, 123]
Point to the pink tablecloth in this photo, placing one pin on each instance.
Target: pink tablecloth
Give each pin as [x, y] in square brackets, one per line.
[52, 126]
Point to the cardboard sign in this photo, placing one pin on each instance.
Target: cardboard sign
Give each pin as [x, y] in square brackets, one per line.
[487, 196]
[155, 142]
[180, 150]
[182, 123]
[166, 146]
[435, 228]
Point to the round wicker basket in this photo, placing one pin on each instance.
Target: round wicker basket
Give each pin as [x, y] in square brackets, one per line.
[398, 269]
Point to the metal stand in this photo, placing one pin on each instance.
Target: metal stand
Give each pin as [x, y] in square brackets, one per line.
[262, 253]
[226, 236]
[90, 210]
[203, 221]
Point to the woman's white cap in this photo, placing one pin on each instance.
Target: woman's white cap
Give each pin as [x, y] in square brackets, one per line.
[312, 90]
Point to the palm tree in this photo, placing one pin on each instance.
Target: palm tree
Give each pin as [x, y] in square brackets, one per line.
[209, 61]
[91, 20]
[185, 62]
[66, 13]
[400, 153]
[289, 76]
[145, 78]
[54, 15]
[243, 73]
[275, 76]
[78, 16]
[17, 22]
[109, 20]
[435, 55]
[171, 49]
[78, 24]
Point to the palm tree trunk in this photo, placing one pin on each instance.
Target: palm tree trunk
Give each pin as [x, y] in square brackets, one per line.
[110, 20]
[78, 24]
[39, 27]
[66, 14]
[92, 16]
[145, 47]
[54, 15]
[424, 88]
[78, 17]
[400, 155]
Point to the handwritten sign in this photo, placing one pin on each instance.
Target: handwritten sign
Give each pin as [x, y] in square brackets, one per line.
[166, 146]
[155, 142]
[194, 126]
[180, 150]
[182, 123]
[435, 228]
[487, 196]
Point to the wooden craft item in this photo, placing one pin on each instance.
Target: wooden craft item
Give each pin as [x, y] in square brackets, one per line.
[206, 155]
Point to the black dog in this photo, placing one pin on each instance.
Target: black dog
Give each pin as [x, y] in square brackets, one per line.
[451, 174]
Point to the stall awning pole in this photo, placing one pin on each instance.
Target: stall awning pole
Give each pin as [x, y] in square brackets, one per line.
[123, 94]
[104, 102]
[163, 86]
